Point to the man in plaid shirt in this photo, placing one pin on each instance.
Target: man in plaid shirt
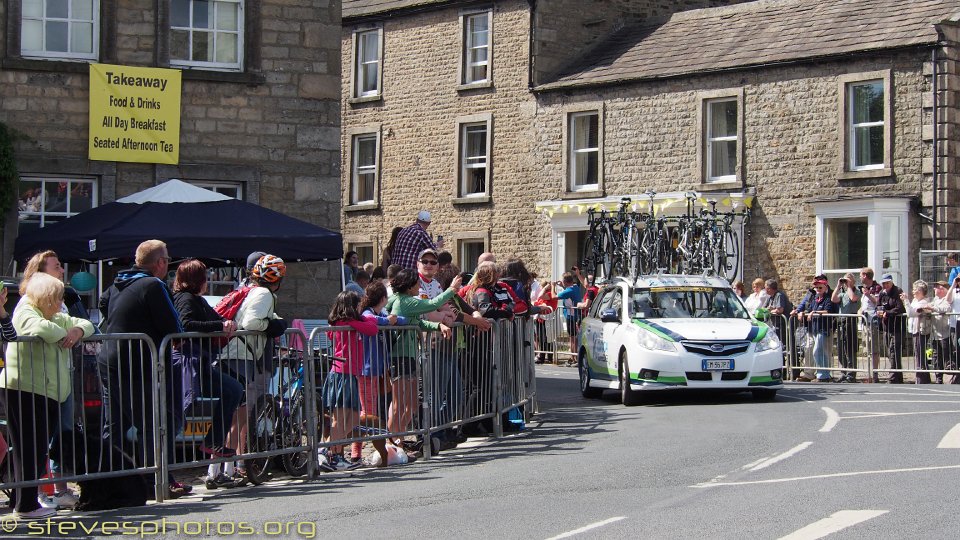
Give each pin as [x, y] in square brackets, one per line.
[412, 240]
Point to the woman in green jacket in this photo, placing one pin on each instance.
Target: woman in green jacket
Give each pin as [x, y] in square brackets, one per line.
[37, 380]
[403, 357]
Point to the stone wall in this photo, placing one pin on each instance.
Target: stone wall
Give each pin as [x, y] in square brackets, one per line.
[275, 128]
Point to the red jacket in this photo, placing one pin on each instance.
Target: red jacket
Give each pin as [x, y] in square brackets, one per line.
[348, 345]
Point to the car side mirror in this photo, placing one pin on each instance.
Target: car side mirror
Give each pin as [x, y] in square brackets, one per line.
[609, 315]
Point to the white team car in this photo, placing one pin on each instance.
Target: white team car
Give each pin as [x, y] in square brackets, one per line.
[671, 332]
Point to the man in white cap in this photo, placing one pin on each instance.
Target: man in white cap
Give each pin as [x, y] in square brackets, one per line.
[412, 240]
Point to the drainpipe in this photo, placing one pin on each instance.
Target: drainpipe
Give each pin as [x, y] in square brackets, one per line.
[936, 140]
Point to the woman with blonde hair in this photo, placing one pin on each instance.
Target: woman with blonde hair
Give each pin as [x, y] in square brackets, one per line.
[37, 381]
[47, 262]
[757, 298]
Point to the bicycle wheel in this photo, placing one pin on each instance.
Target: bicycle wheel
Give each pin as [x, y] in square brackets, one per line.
[646, 253]
[731, 257]
[295, 433]
[588, 261]
[607, 254]
[261, 433]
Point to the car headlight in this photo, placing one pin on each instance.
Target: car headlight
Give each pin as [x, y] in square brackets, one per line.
[653, 342]
[769, 342]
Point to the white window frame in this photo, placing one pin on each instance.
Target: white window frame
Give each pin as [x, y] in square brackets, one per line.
[711, 138]
[239, 32]
[467, 21]
[71, 22]
[42, 213]
[355, 167]
[220, 187]
[462, 243]
[357, 73]
[468, 163]
[846, 168]
[852, 126]
[877, 212]
[574, 151]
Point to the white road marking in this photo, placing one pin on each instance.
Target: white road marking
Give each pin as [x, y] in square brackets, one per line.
[821, 476]
[587, 528]
[899, 401]
[832, 419]
[754, 463]
[865, 414]
[951, 439]
[836, 522]
[775, 459]
[915, 394]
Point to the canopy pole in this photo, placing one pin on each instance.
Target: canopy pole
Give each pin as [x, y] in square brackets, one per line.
[343, 281]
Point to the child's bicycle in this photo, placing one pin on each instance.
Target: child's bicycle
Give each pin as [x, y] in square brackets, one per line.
[279, 421]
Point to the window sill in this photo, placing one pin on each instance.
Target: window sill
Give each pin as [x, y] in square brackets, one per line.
[885, 172]
[58, 65]
[720, 186]
[583, 194]
[365, 207]
[471, 200]
[365, 99]
[198, 74]
[475, 86]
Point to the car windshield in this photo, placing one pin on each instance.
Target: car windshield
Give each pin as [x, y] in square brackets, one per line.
[686, 303]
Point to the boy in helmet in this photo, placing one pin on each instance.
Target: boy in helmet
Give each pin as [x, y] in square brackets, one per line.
[249, 358]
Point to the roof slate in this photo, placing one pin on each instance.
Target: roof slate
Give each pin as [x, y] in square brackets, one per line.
[361, 8]
[756, 33]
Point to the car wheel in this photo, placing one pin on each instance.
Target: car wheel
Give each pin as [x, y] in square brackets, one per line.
[764, 394]
[628, 396]
[585, 388]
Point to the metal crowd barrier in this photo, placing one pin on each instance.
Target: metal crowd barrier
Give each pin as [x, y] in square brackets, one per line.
[555, 333]
[863, 346]
[125, 425]
[104, 428]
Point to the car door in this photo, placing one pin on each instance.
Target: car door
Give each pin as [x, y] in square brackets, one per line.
[614, 332]
[593, 336]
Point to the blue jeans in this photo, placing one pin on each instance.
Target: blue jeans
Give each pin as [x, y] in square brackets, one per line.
[820, 357]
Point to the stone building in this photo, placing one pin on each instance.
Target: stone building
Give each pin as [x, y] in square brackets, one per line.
[837, 122]
[259, 117]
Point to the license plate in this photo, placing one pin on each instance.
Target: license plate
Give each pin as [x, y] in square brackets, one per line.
[197, 428]
[717, 365]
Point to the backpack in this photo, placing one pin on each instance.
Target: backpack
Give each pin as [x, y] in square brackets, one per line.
[229, 305]
[508, 299]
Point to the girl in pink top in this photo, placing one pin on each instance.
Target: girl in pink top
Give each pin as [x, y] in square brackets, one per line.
[340, 392]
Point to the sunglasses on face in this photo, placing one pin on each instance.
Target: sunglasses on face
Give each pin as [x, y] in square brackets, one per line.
[428, 261]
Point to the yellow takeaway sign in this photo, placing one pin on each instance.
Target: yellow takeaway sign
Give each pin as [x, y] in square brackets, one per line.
[134, 114]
